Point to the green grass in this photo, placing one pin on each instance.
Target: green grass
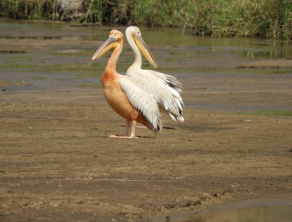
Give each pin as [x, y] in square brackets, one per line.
[267, 54]
[267, 113]
[265, 18]
[26, 9]
[239, 18]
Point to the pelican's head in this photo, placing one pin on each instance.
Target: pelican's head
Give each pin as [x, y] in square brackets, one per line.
[135, 33]
[115, 39]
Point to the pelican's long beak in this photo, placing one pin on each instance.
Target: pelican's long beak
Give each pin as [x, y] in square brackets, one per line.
[143, 48]
[104, 48]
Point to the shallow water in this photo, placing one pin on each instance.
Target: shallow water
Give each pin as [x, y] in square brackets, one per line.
[276, 208]
[279, 213]
[57, 55]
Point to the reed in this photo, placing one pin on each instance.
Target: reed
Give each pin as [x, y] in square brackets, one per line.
[265, 18]
[26, 9]
[239, 18]
[95, 11]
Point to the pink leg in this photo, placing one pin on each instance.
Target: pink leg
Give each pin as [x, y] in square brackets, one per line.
[132, 136]
[128, 123]
[133, 130]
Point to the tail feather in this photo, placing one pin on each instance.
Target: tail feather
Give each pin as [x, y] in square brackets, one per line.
[175, 87]
[170, 99]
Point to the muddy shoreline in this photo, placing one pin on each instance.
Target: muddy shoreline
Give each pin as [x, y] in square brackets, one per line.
[58, 164]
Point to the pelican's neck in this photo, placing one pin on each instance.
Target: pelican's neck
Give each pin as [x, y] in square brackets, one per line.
[112, 62]
[138, 58]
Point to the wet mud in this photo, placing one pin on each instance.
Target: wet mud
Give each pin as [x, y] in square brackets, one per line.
[57, 162]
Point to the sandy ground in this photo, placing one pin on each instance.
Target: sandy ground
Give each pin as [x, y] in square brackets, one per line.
[58, 164]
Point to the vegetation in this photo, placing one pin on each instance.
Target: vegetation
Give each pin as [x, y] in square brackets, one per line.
[265, 18]
[26, 9]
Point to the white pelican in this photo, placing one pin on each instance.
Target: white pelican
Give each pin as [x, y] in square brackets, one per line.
[126, 97]
[164, 88]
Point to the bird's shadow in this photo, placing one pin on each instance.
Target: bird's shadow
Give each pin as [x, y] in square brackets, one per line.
[164, 127]
[169, 128]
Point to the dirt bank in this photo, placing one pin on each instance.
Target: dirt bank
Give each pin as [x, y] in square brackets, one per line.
[58, 164]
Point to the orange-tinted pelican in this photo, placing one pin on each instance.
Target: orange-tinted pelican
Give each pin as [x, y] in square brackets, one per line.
[164, 88]
[126, 97]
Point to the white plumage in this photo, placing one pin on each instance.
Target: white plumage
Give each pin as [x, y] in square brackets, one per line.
[129, 99]
[165, 89]
[142, 101]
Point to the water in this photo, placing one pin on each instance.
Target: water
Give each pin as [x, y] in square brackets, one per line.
[47, 55]
[276, 208]
[282, 213]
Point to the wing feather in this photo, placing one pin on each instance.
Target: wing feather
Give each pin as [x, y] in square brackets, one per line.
[142, 101]
[164, 88]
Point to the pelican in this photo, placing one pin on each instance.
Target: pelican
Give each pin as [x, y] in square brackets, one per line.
[164, 88]
[126, 97]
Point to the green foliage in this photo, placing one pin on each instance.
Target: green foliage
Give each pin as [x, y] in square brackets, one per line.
[265, 18]
[269, 18]
[26, 9]
[95, 10]
[155, 13]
